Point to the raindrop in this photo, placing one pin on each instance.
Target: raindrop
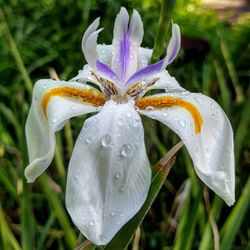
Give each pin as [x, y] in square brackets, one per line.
[212, 116]
[54, 120]
[126, 150]
[106, 140]
[117, 175]
[182, 123]
[76, 176]
[73, 107]
[113, 213]
[120, 122]
[91, 223]
[89, 139]
[129, 114]
[131, 56]
[199, 100]
[212, 105]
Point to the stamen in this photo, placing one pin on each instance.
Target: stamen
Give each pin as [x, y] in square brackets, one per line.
[167, 101]
[108, 87]
[90, 96]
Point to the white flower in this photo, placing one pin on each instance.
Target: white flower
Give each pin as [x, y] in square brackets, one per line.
[109, 173]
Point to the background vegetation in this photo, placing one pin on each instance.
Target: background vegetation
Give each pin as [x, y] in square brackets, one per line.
[38, 35]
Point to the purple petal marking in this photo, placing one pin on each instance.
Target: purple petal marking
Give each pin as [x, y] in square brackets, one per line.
[124, 54]
[174, 44]
[145, 73]
[106, 72]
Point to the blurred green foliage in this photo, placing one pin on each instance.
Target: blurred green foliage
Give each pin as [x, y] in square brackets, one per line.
[38, 35]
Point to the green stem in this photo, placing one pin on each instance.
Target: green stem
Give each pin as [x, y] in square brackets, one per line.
[167, 7]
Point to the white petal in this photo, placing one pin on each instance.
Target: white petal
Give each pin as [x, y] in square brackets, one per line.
[40, 131]
[89, 42]
[212, 149]
[105, 55]
[109, 173]
[125, 44]
[167, 82]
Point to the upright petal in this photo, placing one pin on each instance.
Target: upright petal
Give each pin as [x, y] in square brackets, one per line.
[89, 42]
[109, 173]
[53, 103]
[126, 42]
[151, 70]
[205, 130]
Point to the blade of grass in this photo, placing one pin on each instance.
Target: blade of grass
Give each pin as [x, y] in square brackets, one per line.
[242, 130]
[235, 218]
[62, 218]
[162, 168]
[9, 240]
[225, 94]
[231, 70]
[13, 48]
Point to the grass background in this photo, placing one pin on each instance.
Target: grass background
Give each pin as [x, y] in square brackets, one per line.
[214, 60]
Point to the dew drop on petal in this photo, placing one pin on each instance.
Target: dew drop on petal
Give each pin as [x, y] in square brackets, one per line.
[91, 223]
[212, 116]
[212, 105]
[89, 139]
[126, 150]
[120, 122]
[182, 123]
[129, 114]
[106, 140]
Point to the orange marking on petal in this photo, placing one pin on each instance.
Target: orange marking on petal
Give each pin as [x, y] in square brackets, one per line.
[167, 101]
[90, 96]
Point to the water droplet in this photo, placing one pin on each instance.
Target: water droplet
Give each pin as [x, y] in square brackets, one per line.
[126, 150]
[117, 175]
[73, 107]
[129, 114]
[118, 222]
[113, 213]
[199, 100]
[122, 189]
[106, 140]
[91, 223]
[54, 120]
[212, 116]
[182, 123]
[122, 215]
[120, 122]
[76, 176]
[131, 56]
[212, 105]
[89, 139]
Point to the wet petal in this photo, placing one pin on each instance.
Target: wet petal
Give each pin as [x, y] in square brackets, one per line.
[109, 173]
[53, 103]
[126, 42]
[150, 71]
[205, 130]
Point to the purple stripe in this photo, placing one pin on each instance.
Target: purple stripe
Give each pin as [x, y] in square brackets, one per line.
[106, 72]
[145, 73]
[124, 54]
[175, 50]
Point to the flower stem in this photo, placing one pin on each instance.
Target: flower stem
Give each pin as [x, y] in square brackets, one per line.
[167, 7]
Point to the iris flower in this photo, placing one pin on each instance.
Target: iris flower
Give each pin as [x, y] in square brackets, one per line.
[109, 173]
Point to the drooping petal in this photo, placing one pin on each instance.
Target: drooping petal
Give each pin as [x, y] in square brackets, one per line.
[151, 70]
[205, 130]
[89, 42]
[53, 103]
[126, 42]
[109, 173]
